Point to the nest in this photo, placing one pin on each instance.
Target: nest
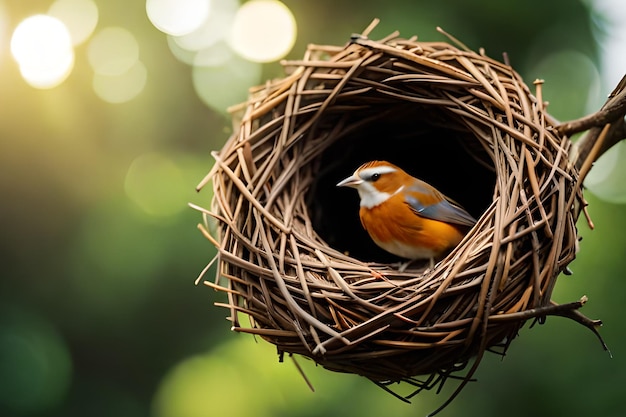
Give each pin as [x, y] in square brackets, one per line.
[293, 257]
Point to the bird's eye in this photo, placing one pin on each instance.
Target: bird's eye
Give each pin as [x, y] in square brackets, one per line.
[375, 177]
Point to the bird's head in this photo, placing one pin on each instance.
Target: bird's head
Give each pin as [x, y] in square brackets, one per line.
[376, 181]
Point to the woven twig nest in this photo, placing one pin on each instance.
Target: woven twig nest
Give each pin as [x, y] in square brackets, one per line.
[293, 257]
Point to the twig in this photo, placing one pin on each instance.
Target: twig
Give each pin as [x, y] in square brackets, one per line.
[612, 113]
[613, 109]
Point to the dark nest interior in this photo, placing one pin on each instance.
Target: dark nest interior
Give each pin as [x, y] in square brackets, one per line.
[409, 138]
[291, 252]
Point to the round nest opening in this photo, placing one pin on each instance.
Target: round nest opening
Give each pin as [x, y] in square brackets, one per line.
[294, 257]
[408, 136]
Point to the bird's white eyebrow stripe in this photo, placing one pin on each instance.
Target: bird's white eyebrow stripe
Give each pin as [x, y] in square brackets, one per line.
[373, 170]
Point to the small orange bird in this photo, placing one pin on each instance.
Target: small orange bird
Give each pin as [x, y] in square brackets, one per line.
[406, 216]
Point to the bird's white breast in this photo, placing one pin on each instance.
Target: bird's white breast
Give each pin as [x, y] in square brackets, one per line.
[372, 197]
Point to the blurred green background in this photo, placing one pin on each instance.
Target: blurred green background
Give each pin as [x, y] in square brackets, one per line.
[99, 315]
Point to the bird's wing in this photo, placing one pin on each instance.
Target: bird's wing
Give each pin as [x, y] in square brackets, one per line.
[431, 204]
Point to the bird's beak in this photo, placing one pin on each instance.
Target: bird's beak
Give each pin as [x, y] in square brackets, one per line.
[352, 181]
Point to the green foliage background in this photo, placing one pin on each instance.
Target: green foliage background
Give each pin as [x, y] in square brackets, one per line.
[99, 315]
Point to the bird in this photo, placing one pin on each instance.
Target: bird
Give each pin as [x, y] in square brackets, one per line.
[405, 216]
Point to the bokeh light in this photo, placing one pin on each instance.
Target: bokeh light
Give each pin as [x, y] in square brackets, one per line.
[226, 85]
[80, 17]
[177, 17]
[192, 390]
[123, 87]
[606, 178]
[183, 55]
[211, 384]
[37, 36]
[215, 28]
[609, 29]
[203, 384]
[214, 56]
[560, 71]
[42, 47]
[155, 183]
[263, 30]
[113, 51]
[35, 365]
[48, 75]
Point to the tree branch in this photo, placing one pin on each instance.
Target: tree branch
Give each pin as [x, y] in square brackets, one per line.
[612, 113]
[613, 109]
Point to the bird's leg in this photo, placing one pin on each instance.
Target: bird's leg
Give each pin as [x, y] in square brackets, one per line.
[402, 266]
[431, 265]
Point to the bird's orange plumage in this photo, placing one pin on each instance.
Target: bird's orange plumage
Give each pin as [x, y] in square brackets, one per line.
[426, 238]
[404, 215]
